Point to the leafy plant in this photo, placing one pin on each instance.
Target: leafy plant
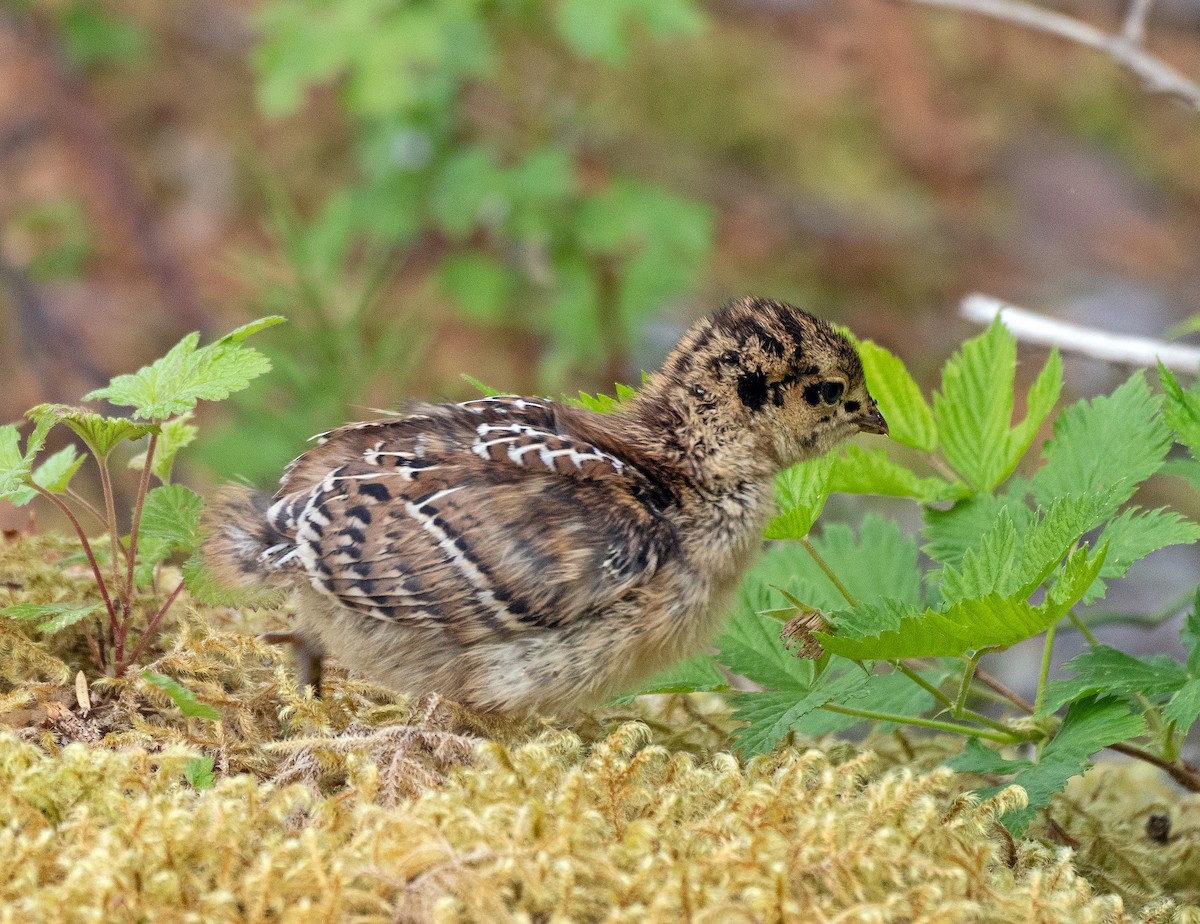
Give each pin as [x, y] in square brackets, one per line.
[165, 520]
[517, 226]
[1010, 557]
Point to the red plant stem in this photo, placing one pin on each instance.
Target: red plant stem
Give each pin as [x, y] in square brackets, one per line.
[1010, 695]
[151, 626]
[87, 549]
[143, 485]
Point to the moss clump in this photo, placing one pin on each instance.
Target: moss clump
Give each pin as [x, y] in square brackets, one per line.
[548, 830]
[367, 806]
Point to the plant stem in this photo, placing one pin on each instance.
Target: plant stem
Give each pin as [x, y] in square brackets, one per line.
[1184, 774]
[1047, 650]
[1012, 696]
[87, 505]
[1083, 629]
[952, 727]
[824, 566]
[114, 534]
[922, 682]
[87, 550]
[143, 486]
[960, 704]
[150, 630]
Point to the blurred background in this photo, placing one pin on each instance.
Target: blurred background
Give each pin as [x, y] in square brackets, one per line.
[544, 193]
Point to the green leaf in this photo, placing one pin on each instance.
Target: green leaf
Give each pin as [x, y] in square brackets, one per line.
[1190, 635]
[99, 433]
[801, 492]
[187, 374]
[910, 420]
[181, 696]
[893, 556]
[479, 286]
[967, 625]
[986, 568]
[14, 471]
[1110, 444]
[1039, 402]
[862, 471]
[175, 434]
[55, 616]
[771, 716]
[1181, 410]
[1107, 670]
[973, 411]
[950, 533]
[172, 514]
[54, 475]
[977, 757]
[974, 408]
[1090, 725]
[199, 773]
[486, 390]
[691, 675]
[750, 644]
[1134, 535]
[1184, 707]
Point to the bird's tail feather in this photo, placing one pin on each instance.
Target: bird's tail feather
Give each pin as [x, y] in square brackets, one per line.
[238, 536]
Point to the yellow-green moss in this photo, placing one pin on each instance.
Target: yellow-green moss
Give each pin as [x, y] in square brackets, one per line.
[367, 806]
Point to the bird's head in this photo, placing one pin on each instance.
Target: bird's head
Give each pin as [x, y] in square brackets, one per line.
[769, 376]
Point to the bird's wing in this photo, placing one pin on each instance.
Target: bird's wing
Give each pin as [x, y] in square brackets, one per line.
[483, 522]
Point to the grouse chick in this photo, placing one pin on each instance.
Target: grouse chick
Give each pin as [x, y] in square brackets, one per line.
[521, 555]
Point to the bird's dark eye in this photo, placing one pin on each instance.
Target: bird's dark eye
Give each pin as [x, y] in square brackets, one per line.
[831, 392]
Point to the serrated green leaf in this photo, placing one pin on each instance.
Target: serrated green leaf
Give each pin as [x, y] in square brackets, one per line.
[1107, 670]
[800, 492]
[1089, 726]
[967, 625]
[487, 390]
[1184, 707]
[238, 334]
[862, 471]
[893, 572]
[13, 468]
[1110, 444]
[1181, 410]
[181, 696]
[771, 716]
[976, 757]
[56, 472]
[950, 533]
[1039, 402]
[973, 409]
[1134, 535]
[54, 475]
[600, 403]
[750, 644]
[174, 435]
[171, 514]
[99, 433]
[54, 616]
[187, 374]
[199, 773]
[691, 675]
[1190, 636]
[909, 417]
[986, 568]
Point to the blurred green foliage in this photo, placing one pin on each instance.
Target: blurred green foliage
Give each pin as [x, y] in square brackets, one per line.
[526, 237]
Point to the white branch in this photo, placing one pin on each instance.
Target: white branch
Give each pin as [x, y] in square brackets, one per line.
[1156, 74]
[1133, 30]
[1029, 327]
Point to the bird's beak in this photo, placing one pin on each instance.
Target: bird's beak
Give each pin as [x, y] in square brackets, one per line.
[872, 421]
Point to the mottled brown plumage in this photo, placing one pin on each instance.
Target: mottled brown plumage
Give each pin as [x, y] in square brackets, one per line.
[521, 555]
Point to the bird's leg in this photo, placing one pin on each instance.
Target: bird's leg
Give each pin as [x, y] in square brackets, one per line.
[309, 655]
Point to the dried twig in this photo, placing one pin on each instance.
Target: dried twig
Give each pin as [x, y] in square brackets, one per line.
[1029, 327]
[1125, 47]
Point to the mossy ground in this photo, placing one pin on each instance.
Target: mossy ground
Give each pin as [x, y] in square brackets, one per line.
[368, 806]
